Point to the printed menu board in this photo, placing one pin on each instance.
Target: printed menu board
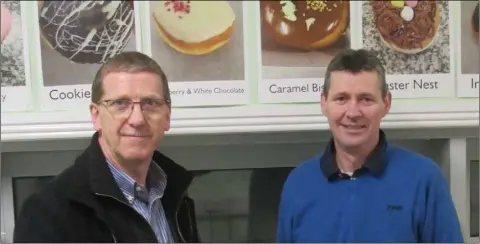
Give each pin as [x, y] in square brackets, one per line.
[74, 39]
[413, 41]
[200, 45]
[469, 62]
[16, 90]
[211, 50]
[298, 40]
[411, 38]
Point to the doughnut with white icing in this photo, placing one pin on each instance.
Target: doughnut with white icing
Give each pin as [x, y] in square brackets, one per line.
[86, 31]
[194, 27]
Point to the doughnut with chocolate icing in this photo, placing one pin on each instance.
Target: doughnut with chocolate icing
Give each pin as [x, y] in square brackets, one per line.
[406, 26]
[86, 31]
[304, 24]
[475, 20]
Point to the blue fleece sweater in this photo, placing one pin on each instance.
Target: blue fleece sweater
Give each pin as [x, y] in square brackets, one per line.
[409, 201]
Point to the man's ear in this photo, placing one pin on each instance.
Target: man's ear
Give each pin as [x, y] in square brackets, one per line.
[95, 116]
[387, 101]
[323, 103]
[167, 119]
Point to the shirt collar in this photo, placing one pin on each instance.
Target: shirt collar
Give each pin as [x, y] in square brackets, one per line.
[155, 187]
[375, 162]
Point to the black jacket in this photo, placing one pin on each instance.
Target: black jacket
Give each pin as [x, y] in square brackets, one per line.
[84, 204]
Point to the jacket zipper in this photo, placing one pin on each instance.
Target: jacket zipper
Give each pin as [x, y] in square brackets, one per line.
[118, 200]
[178, 208]
[182, 239]
[113, 235]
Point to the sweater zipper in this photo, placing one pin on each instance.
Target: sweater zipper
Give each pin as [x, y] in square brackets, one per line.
[118, 200]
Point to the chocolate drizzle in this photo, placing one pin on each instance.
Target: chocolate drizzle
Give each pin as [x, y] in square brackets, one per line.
[87, 32]
[403, 34]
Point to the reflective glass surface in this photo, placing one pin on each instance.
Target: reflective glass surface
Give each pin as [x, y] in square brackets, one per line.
[236, 205]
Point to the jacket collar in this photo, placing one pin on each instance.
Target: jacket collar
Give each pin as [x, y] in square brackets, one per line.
[375, 162]
[98, 177]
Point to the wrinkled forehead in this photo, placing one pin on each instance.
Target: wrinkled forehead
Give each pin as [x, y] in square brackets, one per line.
[132, 85]
[360, 83]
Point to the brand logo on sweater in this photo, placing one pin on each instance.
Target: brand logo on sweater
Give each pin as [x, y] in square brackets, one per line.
[391, 207]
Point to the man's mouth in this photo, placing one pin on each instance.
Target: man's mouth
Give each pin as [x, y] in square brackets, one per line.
[353, 126]
[138, 135]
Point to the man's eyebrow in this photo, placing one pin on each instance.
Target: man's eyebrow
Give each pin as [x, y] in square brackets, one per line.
[366, 94]
[124, 96]
[340, 94]
[363, 94]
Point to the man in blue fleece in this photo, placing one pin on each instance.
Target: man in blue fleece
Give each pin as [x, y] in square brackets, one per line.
[361, 188]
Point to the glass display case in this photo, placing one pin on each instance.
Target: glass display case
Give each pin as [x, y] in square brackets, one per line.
[236, 188]
[244, 210]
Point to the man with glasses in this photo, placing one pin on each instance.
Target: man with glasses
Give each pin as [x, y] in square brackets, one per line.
[120, 189]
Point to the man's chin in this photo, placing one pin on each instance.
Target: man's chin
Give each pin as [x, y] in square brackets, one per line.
[137, 154]
[352, 141]
[132, 140]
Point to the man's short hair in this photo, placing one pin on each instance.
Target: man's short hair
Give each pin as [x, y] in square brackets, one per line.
[130, 62]
[356, 61]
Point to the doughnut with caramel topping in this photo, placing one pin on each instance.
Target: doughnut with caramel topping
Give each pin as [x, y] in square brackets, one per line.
[304, 24]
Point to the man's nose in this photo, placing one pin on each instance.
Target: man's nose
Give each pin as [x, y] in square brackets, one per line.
[137, 117]
[353, 110]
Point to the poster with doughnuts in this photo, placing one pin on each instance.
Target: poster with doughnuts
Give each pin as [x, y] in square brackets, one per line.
[298, 40]
[469, 49]
[414, 42]
[16, 90]
[201, 47]
[74, 38]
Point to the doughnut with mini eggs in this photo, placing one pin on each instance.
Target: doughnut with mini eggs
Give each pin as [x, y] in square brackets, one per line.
[406, 26]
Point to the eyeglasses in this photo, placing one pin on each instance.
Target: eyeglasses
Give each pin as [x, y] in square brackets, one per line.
[122, 108]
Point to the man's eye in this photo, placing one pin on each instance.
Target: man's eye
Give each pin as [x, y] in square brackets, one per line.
[150, 103]
[120, 102]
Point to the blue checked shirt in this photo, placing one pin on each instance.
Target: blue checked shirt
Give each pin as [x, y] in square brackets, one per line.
[147, 202]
